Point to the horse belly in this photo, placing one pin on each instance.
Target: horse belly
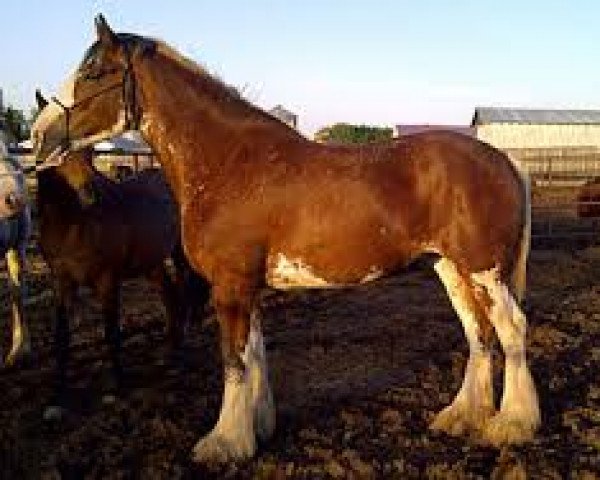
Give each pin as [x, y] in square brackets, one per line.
[324, 248]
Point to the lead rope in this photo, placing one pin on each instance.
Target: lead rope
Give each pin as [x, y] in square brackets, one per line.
[128, 91]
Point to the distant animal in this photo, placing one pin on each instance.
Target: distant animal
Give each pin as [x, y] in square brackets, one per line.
[96, 232]
[15, 230]
[588, 199]
[262, 205]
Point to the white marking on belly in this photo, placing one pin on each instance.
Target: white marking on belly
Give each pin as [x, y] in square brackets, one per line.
[293, 274]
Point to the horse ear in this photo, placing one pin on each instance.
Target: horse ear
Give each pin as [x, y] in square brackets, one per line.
[104, 32]
[39, 98]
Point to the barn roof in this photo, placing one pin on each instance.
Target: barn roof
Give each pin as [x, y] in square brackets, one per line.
[487, 115]
[412, 128]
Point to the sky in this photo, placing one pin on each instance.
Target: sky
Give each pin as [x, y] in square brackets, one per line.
[368, 62]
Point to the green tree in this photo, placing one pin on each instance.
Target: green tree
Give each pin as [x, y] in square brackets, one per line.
[345, 133]
[16, 123]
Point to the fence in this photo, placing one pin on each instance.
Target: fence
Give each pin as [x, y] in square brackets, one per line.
[557, 178]
[105, 161]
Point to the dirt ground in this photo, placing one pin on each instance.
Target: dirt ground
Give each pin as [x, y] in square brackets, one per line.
[357, 375]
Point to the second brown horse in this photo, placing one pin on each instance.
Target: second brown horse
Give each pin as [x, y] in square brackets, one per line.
[97, 232]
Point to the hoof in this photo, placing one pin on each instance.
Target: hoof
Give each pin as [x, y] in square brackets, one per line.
[265, 425]
[457, 420]
[108, 399]
[54, 413]
[215, 449]
[17, 358]
[265, 417]
[503, 429]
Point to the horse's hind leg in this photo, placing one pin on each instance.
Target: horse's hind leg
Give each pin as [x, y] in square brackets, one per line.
[171, 299]
[519, 414]
[21, 346]
[474, 403]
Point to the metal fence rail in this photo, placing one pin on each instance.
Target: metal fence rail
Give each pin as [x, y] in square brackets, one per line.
[557, 182]
[557, 177]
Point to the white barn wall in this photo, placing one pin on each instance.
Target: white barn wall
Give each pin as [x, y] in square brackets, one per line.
[510, 136]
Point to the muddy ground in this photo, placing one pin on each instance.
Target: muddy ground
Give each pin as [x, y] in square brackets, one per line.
[357, 374]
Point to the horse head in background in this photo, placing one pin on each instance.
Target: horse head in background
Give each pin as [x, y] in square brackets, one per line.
[13, 188]
[15, 230]
[261, 205]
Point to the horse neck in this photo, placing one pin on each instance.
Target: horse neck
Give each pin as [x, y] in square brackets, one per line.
[192, 121]
[58, 198]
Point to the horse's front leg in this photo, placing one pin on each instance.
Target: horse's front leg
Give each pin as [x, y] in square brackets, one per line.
[109, 291]
[65, 291]
[21, 345]
[247, 406]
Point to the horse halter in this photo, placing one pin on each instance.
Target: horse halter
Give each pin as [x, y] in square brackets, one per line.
[128, 89]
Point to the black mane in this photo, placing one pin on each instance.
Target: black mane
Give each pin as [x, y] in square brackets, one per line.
[130, 41]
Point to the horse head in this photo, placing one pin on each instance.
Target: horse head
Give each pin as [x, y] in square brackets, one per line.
[13, 189]
[98, 101]
[76, 168]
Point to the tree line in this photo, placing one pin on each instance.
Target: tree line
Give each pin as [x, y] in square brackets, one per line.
[16, 123]
[345, 133]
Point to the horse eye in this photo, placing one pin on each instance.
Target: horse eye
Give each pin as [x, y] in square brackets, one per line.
[97, 75]
[92, 75]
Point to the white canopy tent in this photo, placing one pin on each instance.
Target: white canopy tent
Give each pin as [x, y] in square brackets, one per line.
[126, 149]
[129, 143]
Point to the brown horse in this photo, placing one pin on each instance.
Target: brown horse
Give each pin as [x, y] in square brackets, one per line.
[97, 232]
[261, 205]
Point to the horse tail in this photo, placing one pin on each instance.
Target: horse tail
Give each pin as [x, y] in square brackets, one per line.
[519, 272]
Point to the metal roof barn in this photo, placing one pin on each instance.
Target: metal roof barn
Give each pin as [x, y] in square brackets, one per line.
[515, 128]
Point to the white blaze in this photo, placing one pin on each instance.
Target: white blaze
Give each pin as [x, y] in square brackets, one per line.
[52, 112]
[66, 92]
